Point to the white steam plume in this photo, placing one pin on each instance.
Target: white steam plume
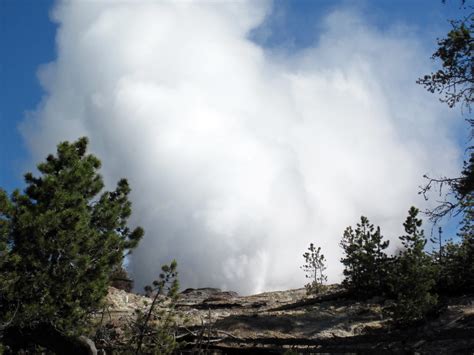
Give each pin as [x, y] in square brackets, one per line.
[239, 157]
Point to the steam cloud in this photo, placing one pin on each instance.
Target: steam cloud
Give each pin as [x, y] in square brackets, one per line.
[238, 156]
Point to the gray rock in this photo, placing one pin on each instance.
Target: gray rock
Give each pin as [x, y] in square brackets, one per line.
[328, 322]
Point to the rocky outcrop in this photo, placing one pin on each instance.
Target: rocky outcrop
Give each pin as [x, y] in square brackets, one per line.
[272, 322]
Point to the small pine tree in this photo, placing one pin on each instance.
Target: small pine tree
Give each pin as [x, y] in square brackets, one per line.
[366, 264]
[314, 268]
[413, 275]
[155, 330]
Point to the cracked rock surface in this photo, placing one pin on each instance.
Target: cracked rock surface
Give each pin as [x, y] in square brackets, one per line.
[271, 322]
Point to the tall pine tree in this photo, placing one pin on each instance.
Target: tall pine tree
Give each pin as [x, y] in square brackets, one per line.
[61, 240]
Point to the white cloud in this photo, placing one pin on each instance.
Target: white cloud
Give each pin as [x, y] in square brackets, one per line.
[239, 158]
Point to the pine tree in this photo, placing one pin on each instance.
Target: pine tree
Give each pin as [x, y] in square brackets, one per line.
[63, 241]
[457, 268]
[314, 268]
[467, 246]
[366, 264]
[453, 81]
[455, 77]
[413, 275]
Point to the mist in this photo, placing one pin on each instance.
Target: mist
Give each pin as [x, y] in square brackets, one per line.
[240, 156]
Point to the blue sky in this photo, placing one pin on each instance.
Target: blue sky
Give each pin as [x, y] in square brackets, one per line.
[27, 41]
[294, 22]
[253, 148]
